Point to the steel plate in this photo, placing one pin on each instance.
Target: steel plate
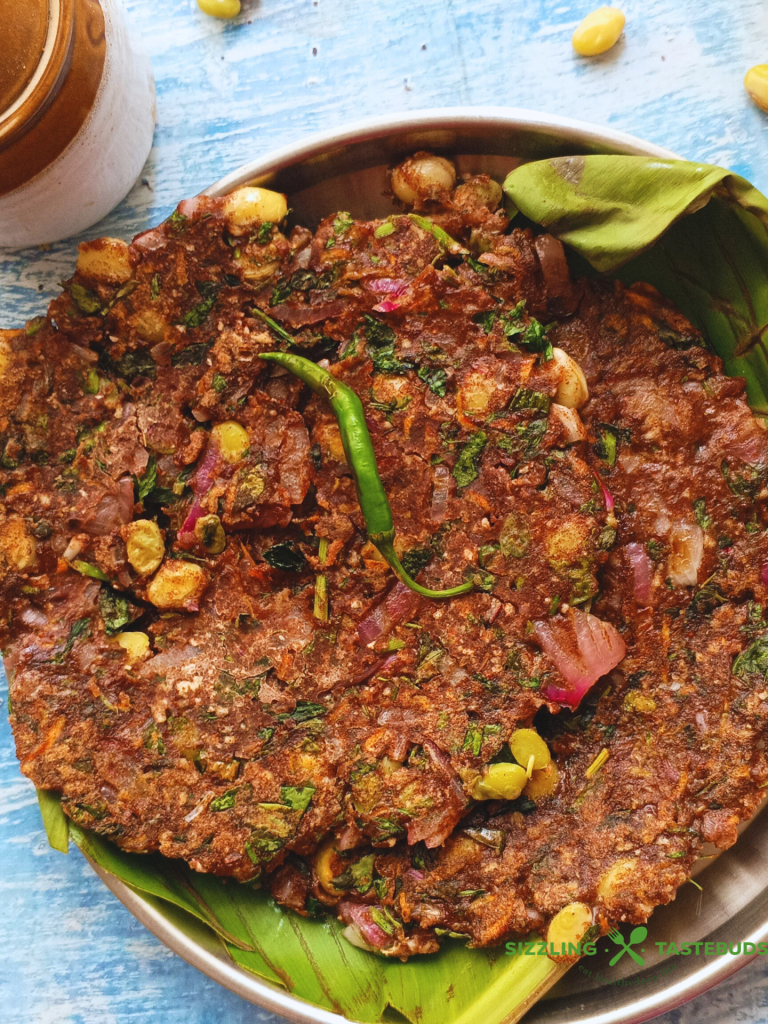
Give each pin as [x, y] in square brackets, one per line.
[347, 169]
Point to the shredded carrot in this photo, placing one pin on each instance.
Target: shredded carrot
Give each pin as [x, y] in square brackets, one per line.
[50, 738]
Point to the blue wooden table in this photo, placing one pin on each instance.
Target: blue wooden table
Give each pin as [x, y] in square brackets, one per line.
[228, 92]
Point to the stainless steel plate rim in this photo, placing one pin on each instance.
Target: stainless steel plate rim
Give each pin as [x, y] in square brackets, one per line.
[580, 135]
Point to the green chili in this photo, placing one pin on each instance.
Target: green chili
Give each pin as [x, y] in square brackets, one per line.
[361, 457]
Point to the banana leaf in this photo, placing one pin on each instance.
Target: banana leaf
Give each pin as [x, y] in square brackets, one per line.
[698, 234]
[694, 231]
[311, 959]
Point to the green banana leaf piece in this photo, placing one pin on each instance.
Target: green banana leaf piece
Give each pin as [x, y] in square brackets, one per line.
[311, 959]
[55, 821]
[695, 231]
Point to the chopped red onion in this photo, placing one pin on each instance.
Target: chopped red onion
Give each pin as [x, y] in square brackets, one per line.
[399, 604]
[387, 285]
[642, 569]
[583, 648]
[386, 306]
[441, 485]
[359, 914]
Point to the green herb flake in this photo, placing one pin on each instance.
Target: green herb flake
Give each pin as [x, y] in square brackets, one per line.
[298, 798]
[473, 738]
[753, 660]
[700, 511]
[435, 378]
[441, 236]
[384, 920]
[116, 610]
[384, 230]
[148, 480]
[416, 559]
[486, 319]
[525, 398]
[198, 314]
[87, 302]
[86, 569]
[78, 630]
[307, 709]
[224, 802]
[342, 223]
[91, 382]
[177, 222]
[265, 232]
[154, 287]
[467, 465]
[219, 383]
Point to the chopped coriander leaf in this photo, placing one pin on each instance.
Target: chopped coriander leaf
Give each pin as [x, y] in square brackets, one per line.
[224, 802]
[700, 511]
[198, 314]
[116, 610]
[177, 222]
[473, 738]
[306, 709]
[265, 232]
[535, 340]
[342, 223]
[148, 480]
[416, 559]
[78, 629]
[219, 383]
[435, 378]
[486, 319]
[384, 230]
[468, 462]
[525, 398]
[298, 798]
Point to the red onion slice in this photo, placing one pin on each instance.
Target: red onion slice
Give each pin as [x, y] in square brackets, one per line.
[387, 285]
[360, 915]
[583, 648]
[400, 603]
[642, 569]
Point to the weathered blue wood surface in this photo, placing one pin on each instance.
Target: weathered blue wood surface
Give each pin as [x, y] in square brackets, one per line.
[226, 93]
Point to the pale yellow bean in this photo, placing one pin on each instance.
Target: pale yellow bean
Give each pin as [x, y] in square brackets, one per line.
[135, 645]
[526, 744]
[225, 9]
[500, 782]
[598, 32]
[568, 927]
[232, 440]
[248, 206]
[177, 586]
[542, 783]
[756, 84]
[145, 545]
[423, 177]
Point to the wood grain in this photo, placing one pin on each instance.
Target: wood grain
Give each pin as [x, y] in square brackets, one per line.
[228, 93]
